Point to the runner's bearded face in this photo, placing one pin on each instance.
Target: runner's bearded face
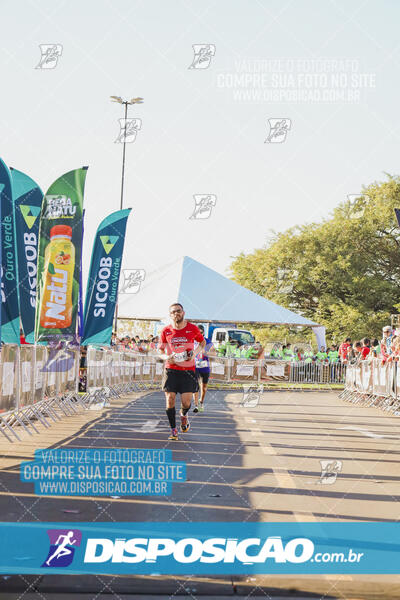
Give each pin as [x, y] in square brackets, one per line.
[177, 314]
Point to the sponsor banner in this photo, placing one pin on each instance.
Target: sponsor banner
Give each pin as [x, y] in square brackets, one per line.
[199, 548]
[9, 266]
[59, 260]
[102, 288]
[80, 305]
[28, 199]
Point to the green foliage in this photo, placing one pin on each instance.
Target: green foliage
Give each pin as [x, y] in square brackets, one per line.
[343, 273]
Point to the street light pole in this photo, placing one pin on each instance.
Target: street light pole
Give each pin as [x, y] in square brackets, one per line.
[125, 103]
[123, 157]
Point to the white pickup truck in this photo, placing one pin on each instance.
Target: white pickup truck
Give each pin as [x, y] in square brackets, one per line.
[221, 335]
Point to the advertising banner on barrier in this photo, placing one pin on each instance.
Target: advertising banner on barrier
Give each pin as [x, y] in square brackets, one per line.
[59, 260]
[28, 199]
[102, 288]
[274, 370]
[9, 267]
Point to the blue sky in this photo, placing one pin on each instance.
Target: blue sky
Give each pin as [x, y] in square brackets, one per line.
[197, 137]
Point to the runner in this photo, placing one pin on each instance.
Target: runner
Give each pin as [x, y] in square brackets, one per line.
[203, 374]
[177, 340]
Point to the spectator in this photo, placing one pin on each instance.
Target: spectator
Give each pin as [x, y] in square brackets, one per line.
[333, 354]
[277, 352]
[287, 352]
[143, 346]
[321, 355]
[254, 350]
[356, 352]
[375, 348]
[237, 351]
[344, 349]
[366, 348]
[259, 349]
[308, 356]
[386, 341]
[230, 347]
[297, 354]
[395, 348]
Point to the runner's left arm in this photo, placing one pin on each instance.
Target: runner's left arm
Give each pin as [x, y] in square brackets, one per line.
[200, 348]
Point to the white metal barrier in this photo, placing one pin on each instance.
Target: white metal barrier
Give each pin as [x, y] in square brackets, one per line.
[147, 369]
[374, 383]
[38, 384]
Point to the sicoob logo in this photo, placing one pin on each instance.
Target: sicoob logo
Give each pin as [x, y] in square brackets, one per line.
[62, 547]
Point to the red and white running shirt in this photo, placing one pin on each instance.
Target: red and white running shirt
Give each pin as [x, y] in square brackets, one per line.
[179, 340]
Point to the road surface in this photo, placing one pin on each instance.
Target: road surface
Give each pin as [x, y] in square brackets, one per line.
[244, 464]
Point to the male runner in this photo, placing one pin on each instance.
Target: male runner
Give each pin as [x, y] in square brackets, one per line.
[178, 341]
[203, 374]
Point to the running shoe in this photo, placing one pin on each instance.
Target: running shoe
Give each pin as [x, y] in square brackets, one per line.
[201, 407]
[174, 434]
[185, 425]
[196, 409]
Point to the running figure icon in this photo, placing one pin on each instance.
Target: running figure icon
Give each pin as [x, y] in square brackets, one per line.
[62, 550]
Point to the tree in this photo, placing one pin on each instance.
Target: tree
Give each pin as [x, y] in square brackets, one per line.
[343, 273]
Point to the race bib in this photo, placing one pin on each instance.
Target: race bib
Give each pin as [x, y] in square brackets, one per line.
[201, 364]
[180, 356]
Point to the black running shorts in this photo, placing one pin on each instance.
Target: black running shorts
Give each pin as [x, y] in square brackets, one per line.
[180, 382]
[203, 375]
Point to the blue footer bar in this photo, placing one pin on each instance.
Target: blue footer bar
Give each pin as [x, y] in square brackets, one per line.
[200, 548]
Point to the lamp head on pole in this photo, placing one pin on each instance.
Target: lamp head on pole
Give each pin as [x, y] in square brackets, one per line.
[132, 101]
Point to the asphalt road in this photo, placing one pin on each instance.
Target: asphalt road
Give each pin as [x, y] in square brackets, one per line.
[243, 464]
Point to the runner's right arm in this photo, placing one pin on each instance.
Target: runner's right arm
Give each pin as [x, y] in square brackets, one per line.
[163, 349]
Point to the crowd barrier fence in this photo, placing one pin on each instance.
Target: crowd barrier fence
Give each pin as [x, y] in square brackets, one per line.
[40, 383]
[373, 383]
[148, 369]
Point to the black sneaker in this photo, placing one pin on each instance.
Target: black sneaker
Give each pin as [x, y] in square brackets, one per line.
[195, 410]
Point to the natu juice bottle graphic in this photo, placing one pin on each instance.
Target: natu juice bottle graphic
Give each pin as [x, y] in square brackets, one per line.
[59, 265]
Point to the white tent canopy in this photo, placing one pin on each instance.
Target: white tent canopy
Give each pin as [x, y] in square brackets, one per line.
[205, 295]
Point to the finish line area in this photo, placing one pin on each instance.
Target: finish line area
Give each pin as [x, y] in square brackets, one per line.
[294, 457]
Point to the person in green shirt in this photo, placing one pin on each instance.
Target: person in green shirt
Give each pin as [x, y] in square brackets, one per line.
[333, 355]
[296, 354]
[276, 352]
[308, 356]
[230, 348]
[321, 355]
[243, 351]
[287, 352]
[252, 352]
[309, 366]
[376, 347]
[220, 349]
[237, 352]
[333, 358]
